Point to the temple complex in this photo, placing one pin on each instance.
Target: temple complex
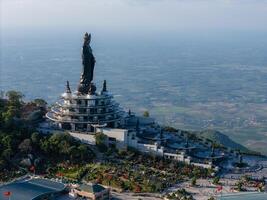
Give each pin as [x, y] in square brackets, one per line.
[87, 112]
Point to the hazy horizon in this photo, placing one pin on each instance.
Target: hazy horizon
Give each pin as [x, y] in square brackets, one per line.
[134, 16]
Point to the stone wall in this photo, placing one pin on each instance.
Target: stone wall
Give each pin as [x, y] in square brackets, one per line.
[83, 137]
[120, 135]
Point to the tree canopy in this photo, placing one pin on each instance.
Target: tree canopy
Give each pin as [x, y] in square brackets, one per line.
[18, 136]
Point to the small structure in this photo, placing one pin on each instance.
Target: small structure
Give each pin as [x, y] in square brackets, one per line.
[91, 191]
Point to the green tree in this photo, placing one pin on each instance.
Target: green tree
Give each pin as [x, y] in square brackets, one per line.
[211, 198]
[64, 147]
[73, 152]
[83, 150]
[45, 146]
[194, 181]
[40, 102]
[11, 109]
[239, 185]
[60, 143]
[6, 141]
[25, 146]
[216, 180]
[146, 114]
[7, 153]
[3, 164]
[9, 115]
[35, 137]
[100, 139]
[14, 102]
[14, 97]
[197, 172]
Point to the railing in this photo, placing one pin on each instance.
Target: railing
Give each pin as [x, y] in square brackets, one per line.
[64, 120]
[112, 104]
[87, 113]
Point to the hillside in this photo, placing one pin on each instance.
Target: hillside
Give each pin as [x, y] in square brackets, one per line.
[222, 139]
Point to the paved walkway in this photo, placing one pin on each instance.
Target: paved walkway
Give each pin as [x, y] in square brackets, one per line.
[132, 196]
[204, 188]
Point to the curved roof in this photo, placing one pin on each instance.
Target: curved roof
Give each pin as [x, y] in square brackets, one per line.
[31, 189]
[91, 188]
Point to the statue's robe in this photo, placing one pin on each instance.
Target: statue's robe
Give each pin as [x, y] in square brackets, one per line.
[88, 61]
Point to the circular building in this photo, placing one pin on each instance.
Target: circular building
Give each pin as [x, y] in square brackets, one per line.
[85, 112]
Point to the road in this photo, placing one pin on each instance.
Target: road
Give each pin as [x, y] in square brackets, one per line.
[133, 196]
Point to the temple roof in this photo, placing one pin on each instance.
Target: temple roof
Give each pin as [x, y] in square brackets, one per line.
[91, 188]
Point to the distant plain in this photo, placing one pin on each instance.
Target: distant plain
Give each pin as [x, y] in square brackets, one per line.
[189, 82]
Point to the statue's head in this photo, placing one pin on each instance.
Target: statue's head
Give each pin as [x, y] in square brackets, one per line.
[87, 38]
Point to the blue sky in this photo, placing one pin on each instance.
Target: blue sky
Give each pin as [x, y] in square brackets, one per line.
[152, 16]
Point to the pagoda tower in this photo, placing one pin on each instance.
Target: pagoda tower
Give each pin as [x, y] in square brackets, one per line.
[86, 109]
